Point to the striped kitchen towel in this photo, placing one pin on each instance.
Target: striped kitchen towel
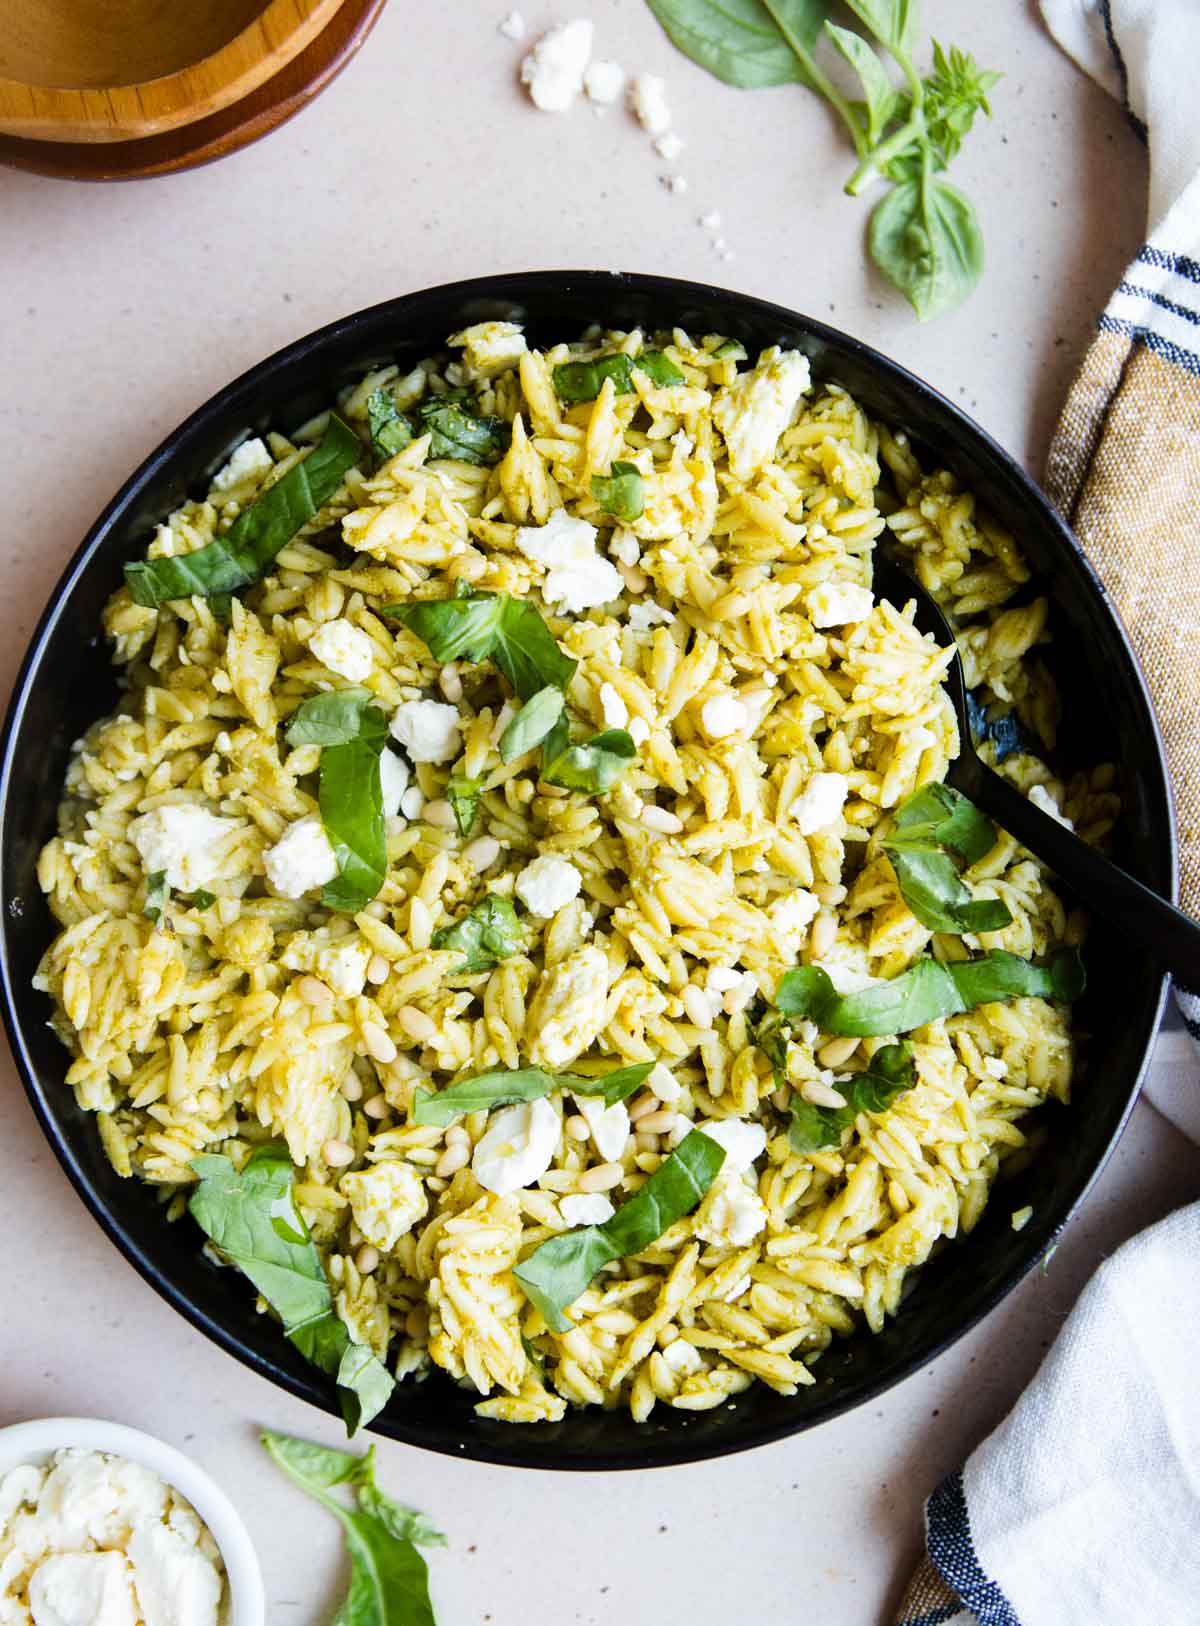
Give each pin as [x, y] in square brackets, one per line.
[1083, 1508]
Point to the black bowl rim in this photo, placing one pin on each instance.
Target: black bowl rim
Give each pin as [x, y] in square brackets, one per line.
[525, 287]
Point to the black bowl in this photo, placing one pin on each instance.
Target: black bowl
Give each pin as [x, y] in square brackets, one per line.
[67, 682]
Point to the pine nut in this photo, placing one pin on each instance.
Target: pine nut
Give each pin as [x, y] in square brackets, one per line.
[416, 1323]
[416, 1024]
[440, 813]
[451, 1160]
[667, 1335]
[337, 1153]
[738, 998]
[456, 1135]
[820, 1094]
[352, 1087]
[377, 1107]
[482, 853]
[450, 683]
[577, 1127]
[837, 1051]
[602, 1178]
[420, 923]
[697, 1007]
[647, 1143]
[824, 934]
[646, 1102]
[378, 1042]
[366, 1259]
[829, 891]
[314, 992]
[657, 1123]
[658, 818]
[377, 969]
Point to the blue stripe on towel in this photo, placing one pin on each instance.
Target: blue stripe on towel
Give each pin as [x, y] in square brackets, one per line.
[948, 1537]
[1139, 125]
[1187, 359]
[1181, 264]
[934, 1617]
[1161, 300]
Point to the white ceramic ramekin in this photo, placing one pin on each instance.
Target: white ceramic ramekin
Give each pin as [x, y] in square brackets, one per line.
[37, 1440]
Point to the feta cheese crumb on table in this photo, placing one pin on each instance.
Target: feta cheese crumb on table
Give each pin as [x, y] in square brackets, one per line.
[604, 82]
[648, 99]
[820, 803]
[184, 842]
[302, 859]
[546, 884]
[517, 1148]
[553, 71]
[576, 576]
[427, 729]
[512, 26]
[669, 146]
[593, 1208]
[344, 649]
[838, 604]
[758, 406]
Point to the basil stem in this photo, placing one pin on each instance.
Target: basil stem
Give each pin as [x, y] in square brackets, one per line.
[488, 1090]
[927, 828]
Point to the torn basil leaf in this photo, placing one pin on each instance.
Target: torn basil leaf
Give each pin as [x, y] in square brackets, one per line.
[252, 1218]
[582, 380]
[202, 899]
[555, 1274]
[487, 934]
[619, 492]
[248, 548]
[592, 766]
[927, 991]
[930, 830]
[532, 723]
[351, 731]
[464, 796]
[158, 895]
[888, 1074]
[730, 350]
[463, 435]
[390, 430]
[490, 626]
[331, 718]
[506, 1089]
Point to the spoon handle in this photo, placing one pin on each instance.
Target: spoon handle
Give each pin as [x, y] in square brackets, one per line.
[1172, 937]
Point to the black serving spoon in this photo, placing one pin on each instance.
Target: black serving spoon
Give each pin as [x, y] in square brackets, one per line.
[1172, 936]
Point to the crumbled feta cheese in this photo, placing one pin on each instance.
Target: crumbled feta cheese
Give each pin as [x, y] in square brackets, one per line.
[568, 1009]
[609, 1126]
[675, 183]
[604, 82]
[994, 1067]
[546, 884]
[721, 978]
[517, 1148]
[846, 967]
[175, 1584]
[393, 782]
[682, 1358]
[344, 649]
[301, 859]
[711, 221]
[82, 1589]
[612, 708]
[790, 917]
[386, 1200]
[1041, 797]
[624, 547]
[742, 1142]
[758, 406]
[512, 26]
[553, 70]
[837, 604]
[732, 1214]
[412, 802]
[89, 1498]
[593, 1208]
[669, 146]
[648, 99]
[184, 841]
[663, 1083]
[723, 715]
[821, 802]
[248, 465]
[427, 729]
[639, 730]
[576, 577]
[490, 347]
[344, 966]
[20, 1486]
[646, 614]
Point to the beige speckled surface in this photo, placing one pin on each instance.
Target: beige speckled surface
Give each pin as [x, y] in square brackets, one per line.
[124, 307]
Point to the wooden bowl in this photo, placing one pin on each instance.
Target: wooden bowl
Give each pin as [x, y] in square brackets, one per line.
[121, 70]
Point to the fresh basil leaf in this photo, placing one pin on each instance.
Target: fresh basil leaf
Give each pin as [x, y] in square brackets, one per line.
[317, 1465]
[892, 21]
[582, 380]
[532, 723]
[251, 1217]
[158, 895]
[730, 350]
[404, 1523]
[350, 795]
[390, 430]
[889, 1073]
[999, 976]
[883, 100]
[620, 492]
[462, 435]
[925, 238]
[464, 796]
[747, 43]
[202, 899]
[333, 718]
[535, 1360]
[658, 368]
[490, 626]
[560, 1270]
[506, 1089]
[592, 766]
[928, 827]
[389, 1580]
[248, 549]
[487, 934]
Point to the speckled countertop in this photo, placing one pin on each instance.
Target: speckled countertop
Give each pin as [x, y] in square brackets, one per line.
[126, 306]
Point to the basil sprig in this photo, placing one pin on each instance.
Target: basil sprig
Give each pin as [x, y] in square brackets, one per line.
[583, 380]
[485, 935]
[888, 1075]
[252, 1218]
[927, 991]
[560, 1270]
[620, 492]
[592, 766]
[464, 795]
[490, 626]
[351, 731]
[933, 824]
[248, 549]
[506, 1089]
[389, 1580]
[532, 723]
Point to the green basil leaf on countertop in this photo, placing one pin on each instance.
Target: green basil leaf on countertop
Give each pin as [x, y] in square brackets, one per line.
[888, 1074]
[251, 1217]
[556, 1273]
[464, 795]
[389, 1580]
[352, 732]
[485, 935]
[248, 548]
[582, 380]
[490, 626]
[592, 766]
[620, 492]
[928, 827]
[506, 1089]
[746, 43]
[925, 237]
[532, 723]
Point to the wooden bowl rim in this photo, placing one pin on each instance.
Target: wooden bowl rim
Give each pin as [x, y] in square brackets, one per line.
[130, 112]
